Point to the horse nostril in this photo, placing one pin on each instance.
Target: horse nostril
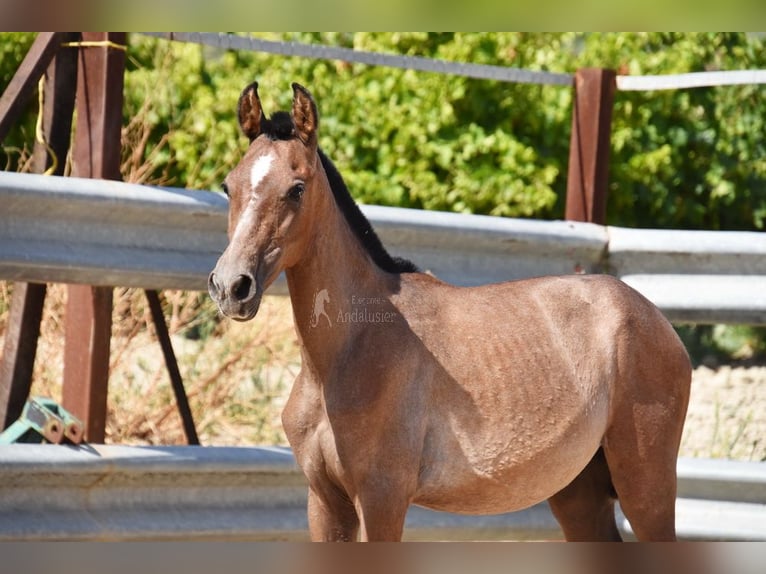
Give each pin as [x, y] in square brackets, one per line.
[241, 287]
[212, 286]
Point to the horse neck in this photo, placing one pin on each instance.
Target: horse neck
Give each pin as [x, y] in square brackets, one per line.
[336, 263]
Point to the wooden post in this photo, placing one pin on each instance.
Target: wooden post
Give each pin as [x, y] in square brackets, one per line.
[588, 178]
[96, 154]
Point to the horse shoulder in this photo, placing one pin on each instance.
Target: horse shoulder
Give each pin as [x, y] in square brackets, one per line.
[303, 411]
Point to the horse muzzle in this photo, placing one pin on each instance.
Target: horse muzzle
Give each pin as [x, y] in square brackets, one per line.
[237, 295]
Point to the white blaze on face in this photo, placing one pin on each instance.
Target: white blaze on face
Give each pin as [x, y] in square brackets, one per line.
[258, 172]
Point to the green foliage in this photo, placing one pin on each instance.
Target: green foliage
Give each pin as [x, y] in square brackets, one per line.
[712, 344]
[13, 48]
[682, 158]
[686, 158]
[740, 341]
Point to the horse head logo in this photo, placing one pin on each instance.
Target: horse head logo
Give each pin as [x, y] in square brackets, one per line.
[320, 298]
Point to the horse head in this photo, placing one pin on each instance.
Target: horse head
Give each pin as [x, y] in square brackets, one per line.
[271, 196]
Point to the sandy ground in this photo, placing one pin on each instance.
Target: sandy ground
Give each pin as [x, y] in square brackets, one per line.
[727, 414]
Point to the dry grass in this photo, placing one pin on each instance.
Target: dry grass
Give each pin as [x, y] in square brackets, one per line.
[236, 374]
[727, 414]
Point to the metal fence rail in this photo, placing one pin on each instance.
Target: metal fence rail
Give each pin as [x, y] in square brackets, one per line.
[108, 492]
[694, 276]
[72, 230]
[487, 72]
[402, 62]
[100, 232]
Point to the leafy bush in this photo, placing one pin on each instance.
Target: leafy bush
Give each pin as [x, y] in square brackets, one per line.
[715, 344]
[686, 158]
[16, 147]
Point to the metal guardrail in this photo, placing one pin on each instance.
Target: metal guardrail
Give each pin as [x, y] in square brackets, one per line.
[404, 62]
[72, 230]
[99, 232]
[109, 492]
[694, 276]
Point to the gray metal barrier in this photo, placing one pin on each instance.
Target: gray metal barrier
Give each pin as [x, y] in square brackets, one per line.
[108, 492]
[74, 230]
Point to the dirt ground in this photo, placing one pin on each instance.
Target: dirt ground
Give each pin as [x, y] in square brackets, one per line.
[727, 414]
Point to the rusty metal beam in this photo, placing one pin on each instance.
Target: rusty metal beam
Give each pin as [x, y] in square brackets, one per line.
[86, 356]
[22, 85]
[20, 345]
[19, 349]
[588, 178]
[176, 381]
[96, 154]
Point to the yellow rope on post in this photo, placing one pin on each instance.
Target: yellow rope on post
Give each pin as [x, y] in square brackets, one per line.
[39, 134]
[39, 128]
[96, 44]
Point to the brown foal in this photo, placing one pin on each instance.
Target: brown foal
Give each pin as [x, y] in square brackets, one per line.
[474, 400]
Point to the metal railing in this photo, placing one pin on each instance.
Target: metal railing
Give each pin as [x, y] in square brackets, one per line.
[110, 492]
[482, 71]
[71, 230]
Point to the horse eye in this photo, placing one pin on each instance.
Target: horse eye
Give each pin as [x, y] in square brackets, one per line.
[225, 189]
[296, 192]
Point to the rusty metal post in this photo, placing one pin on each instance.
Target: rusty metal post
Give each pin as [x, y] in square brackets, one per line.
[19, 350]
[100, 82]
[96, 154]
[59, 87]
[86, 356]
[23, 330]
[176, 382]
[588, 177]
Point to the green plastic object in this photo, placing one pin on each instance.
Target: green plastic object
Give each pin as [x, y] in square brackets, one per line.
[44, 421]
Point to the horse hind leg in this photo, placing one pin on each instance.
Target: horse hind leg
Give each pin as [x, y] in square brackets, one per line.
[641, 449]
[644, 478]
[585, 508]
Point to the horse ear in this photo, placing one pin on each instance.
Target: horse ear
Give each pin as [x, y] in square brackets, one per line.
[250, 112]
[305, 116]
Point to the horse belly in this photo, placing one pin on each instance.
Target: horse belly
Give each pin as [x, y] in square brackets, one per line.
[501, 474]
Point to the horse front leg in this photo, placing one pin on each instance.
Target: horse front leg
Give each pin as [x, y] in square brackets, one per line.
[382, 518]
[332, 517]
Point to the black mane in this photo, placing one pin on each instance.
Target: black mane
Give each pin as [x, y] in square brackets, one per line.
[360, 225]
[280, 127]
